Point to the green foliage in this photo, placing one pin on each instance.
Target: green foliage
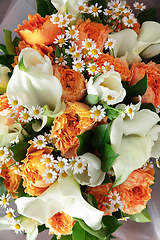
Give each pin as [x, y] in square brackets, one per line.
[6, 61]
[101, 136]
[85, 142]
[149, 106]
[3, 49]
[91, 99]
[141, 217]
[91, 199]
[20, 150]
[45, 7]
[21, 65]
[8, 40]
[78, 232]
[41, 228]
[147, 15]
[2, 187]
[111, 224]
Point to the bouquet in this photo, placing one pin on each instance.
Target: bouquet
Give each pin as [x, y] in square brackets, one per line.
[79, 119]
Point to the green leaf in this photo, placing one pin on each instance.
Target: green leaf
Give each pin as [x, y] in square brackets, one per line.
[42, 227]
[101, 136]
[16, 41]
[107, 156]
[45, 7]
[107, 179]
[149, 106]
[91, 199]
[57, 52]
[90, 236]
[141, 217]
[111, 224]
[96, 76]
[67, 237]
[101, 233]
[85, 142]
[20, 191]
[3, 49]
[8, 40]
[138, 89]
[78, 232]
[2, 187]
[4, 60]
[91, 99]
[20, 150]
[21, 65]
[147, 15]
[54, 237]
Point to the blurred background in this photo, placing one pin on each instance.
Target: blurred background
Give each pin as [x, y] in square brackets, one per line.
[12, 13]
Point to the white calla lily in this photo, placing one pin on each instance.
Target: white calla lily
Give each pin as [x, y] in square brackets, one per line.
[36, 85]
[63, 195]
[128, 138]
[94, 175]
[4, 78]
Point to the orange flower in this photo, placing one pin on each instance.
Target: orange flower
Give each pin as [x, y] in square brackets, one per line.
[152, 95]
[11, 179]
[60, 224]
[32, 170]
[120, 65]
[93, 30]
[73, 83]
[74, 121]
[4, 106]
[38, 30]
[134, 192]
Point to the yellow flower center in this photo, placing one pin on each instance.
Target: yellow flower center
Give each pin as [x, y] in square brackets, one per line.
[120, 9]
[47, 160]
[129, 21]
[15, 102]
[110, 44]
[25, 116]
[64, 174]
[36, 112]
[56, 19]
[108, 68]
[17, 226]
[95, 9]
[9, 215]
[39, 142]
[12, 115]
[46, 138]
[84, 51]
[114, 197]
[1, 153]
[61, 40]
[61, 164]
[130, 110]
[127, 14]
[61, 59]
[63, 22]
[78, 65]
[79, 165]
[115, 5]
[97, 112]
[139, 6]
[94, 52]
[108, 207]
[93, 68]
[72, 32]
[4, 200]
[72, 49]
[81, 8]
[109, 98]
[117, 14]
[77, 55]
[15, 167]
[88, 44]
[54, 140]
[69, 16]
[117, 205]
[49, 175]
[109, 11]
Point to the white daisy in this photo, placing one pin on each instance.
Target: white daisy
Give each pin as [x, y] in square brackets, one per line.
[79, 166]
[15, 140]
[88, 44]
[93, 68]
[39, 142]
[94, 53]
[61, 164]
[97, 113]
[71, 32]
[114, 197]
[118, 205]
[109, 207]
[56, 18]
[4, 200]
[158, 109]
[4, 153]
[64, 22]
[110, 96]
[70, 17]
[129, 110]
[16, 167]
[107, 67]
[123, 219]
[15, 102]
[17, 227]
[61, 59]
[47, 159]
[81, 7]
[61, 40]
[49, 176]
[157, 162]
[95, 10]
[107, 12]
[24, 116]
[10, 214]
[36, 112]
[110, 44]
[129, 21]
[78, 65]
[139, 6]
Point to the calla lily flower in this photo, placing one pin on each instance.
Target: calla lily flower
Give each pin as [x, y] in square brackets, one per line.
[30, 226]
[4, 78]
[33, 82]
[63, 195]
[128, 138]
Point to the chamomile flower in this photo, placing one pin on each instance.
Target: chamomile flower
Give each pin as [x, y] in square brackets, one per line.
[107, 67]
[88, 44]
[121, 8]
[129, 21]
[10, 214]
[39, 142]
[158, 109]
[56, 18]
[70, 17]
[109, 207]
[110, 44]
[47, 137]
[110, 96]
[17, 227]
[15, 102]
[113, 4]
[61, 164]
[24, 116]
[36, 112]
[97, 113]
[79, 166]
[118, 205]
[129, 110]
[15, 140]
[4, 200]
[123, 219]
[49, 175]
[94, 53]
[4, 153]
[111, 172]
[61, 59]
[78, 65]
[61, 40]
[47, 159]
[12, 114]
[107, 12]
[157, 162]
[71, 32]
[16, 167]
[81, 7]
[95, 10]
[93, 68]
[64, 22]
[114, 197]
[139, 6]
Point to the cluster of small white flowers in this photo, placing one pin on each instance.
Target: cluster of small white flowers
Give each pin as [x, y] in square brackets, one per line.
[115, 203]
[97, 113]
[10, 214]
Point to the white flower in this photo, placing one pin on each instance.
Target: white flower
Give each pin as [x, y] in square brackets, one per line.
[17, 227]
[36, 112]
[71, 32]
[24, 116]
[95, 52]
[4, 153]
[109, 207]
[95, 10]
[129, 21]
[61, 59]
[88, 43]
[60, 40]
[56, 18]
[16, 167]
[63, 195]
[61, 164]
[39, 142]
[49, 176]
[87, 170]
[114, 197]
[81, 7]
[97, 113]
[4, 78]
[139, 6]
[10, 214]
[4, 200]
[14, 102]
[110, 44]
[47, 159]
[107, 67]
[78, 65]
[93, 68]
[107, 84]
[129, 109]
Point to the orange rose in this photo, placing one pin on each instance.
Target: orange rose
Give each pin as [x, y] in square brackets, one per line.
[93, 30]
[73, 83]
[4, 106]
[32, 170]
[38, 30]
[74, 121]
[152, 95]
[120, 66]
[11, 179]
[60, 224]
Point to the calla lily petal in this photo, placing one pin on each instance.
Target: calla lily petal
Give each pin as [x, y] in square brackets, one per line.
[151, 51]
[4, 224]
[63, 195]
